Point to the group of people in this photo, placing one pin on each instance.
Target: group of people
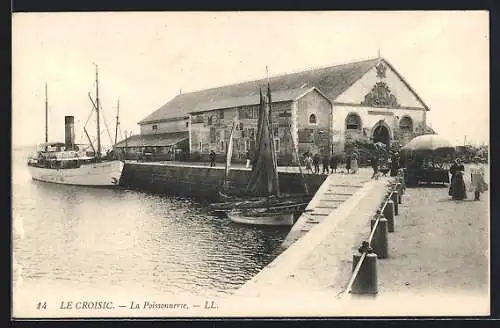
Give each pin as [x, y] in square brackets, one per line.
[457, 189]
[330, 163]
[382, 165]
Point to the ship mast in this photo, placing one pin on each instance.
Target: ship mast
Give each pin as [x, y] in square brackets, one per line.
[46, 118]
[97, 112]
[117, 119]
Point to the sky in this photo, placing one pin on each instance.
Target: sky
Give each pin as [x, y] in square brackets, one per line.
[146, 58]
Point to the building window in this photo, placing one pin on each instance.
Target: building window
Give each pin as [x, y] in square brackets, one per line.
[221, 114]
[249, 133]
[248, 112]
[312, 119]
[209, 121]
[201, 146]
[353, 122]
[252, 113]
[406, 124]
[275, 130]
[277, 145]
[155, 127]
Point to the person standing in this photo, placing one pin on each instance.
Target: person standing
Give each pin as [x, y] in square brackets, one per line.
[457, 185]
[316, 163]
[325, 164]
[333, 163]
[354, 162]
[348, 162]
[374, 164]
[308, 160]
[478, 185]
[247, 157]
[212, 158]
[394, 164]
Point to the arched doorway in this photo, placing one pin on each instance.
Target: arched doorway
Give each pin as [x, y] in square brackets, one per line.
[381, 134]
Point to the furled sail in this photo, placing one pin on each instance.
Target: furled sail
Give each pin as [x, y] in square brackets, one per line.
[262, 181]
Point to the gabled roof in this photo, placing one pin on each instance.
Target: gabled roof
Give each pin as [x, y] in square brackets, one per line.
[154, 140]
[331, 81]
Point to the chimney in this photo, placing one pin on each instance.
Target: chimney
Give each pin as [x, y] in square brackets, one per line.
[69, 132]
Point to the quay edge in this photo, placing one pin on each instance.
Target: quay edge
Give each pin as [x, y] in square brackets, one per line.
[201, 181]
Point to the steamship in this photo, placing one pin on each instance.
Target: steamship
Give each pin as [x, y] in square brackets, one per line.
[66, 163]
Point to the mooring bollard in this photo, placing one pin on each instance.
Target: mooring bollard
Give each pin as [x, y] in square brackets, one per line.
[394, 197]
[389, 215]
[366, 279]
[380, 242]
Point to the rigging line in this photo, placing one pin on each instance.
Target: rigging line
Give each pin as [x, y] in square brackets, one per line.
[106, 125]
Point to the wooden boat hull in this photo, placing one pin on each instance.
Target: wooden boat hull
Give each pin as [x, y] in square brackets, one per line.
[103, 174]
[266, 219]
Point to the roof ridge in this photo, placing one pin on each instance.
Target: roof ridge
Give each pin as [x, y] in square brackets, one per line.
[282, 74]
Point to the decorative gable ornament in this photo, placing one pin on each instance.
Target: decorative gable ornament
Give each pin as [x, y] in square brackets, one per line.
[380, 96]
[381, 71]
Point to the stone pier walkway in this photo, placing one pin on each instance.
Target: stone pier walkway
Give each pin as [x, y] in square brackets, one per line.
[438, 262]
[334, 191]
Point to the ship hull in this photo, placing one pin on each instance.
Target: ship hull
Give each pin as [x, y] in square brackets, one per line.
[103, 174]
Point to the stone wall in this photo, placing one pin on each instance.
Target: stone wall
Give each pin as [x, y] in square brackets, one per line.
[314, 137]
[202, 182]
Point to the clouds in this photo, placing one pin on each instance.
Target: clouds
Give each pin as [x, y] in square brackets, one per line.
[145, 58]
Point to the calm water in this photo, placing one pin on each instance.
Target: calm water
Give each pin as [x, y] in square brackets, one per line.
[104, 237]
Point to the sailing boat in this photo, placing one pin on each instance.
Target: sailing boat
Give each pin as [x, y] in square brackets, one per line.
[264, 203]
[65, 163]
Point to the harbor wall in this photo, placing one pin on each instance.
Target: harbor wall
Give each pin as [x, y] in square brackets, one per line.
[202, 181]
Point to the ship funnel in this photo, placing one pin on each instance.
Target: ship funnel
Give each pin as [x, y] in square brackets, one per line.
[69, 132]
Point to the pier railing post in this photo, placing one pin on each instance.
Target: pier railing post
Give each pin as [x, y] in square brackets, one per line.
[395, 197]
[389, 215]
[366, 279]
[374, 219]
[380, 242]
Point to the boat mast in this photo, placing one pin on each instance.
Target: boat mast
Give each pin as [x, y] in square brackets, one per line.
[271, 137]
[117, 119]
[46, 118]
[97, 112]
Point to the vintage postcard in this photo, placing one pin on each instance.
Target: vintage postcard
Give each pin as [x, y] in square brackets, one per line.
[250, 164]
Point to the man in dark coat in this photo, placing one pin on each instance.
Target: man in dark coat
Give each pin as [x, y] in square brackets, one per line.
[394, 164]
[325, 163]
[316, 163]
[212, 158]
[333, 163]
[348, 162]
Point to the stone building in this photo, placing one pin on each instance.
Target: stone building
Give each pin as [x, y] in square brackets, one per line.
[324, 109]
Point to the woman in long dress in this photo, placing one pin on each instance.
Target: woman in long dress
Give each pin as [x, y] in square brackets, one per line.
[354, 162]
[457, 185]
[478, 185]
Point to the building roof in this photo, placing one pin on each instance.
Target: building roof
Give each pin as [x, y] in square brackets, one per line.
[277, 96]
[154, 140]
[331, 81]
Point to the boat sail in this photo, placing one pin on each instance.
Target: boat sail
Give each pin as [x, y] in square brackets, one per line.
[66, 163]
[264, 203]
